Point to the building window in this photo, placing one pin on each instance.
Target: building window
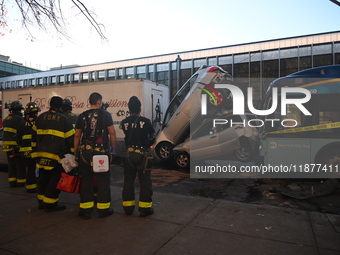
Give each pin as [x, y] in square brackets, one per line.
[150, 75]
[120, 74]
[101, 75]
[305, 63]
[185, 75]
[199, 62]
[212, 61]
[255, 82]
[20, 84]
[288, 66]
[337, 58]
[61, 79]
[270, 71]
[141, 72]
[53, 80]
[322, 55]
[15, 69]
[163, 73]
[75, 78]
[226, 63]
[225, 60]
[241, 71]
[111, 74]
[322, 49]
[39, 81]
[186, 64]
[31, 82]
[67, 79]
[322, 60]
[269, 55]
[305, 51]
[129, 73]
[84, 77]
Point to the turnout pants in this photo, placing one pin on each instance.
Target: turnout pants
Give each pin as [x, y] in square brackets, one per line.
[16, 170]
[87, 189]
[133, 165]
[31, 179]
[48, 194]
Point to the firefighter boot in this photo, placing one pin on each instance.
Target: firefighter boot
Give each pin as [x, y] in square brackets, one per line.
[129, 209]
[13, 184]
[41, 204]
[146, 212]
[85, 213]
[54, 207]
[102, 213]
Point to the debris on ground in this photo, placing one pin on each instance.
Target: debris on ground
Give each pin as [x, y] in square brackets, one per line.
[304, 190]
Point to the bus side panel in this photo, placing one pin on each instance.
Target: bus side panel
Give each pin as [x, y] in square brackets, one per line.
[287, 151]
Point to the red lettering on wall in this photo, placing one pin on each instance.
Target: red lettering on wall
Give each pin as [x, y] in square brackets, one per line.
[41, 102]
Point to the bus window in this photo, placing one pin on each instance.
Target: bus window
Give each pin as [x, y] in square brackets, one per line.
[329, 117]
[293, 112]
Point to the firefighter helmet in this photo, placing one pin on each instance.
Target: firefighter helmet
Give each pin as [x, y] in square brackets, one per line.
[16, 106]
[67, 105]
[32, 107]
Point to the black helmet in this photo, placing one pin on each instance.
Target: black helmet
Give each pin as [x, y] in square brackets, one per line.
[67, 101]
[32, 107]
[67, 104]
[16, 106]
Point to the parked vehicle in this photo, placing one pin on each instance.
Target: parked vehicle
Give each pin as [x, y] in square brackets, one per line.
[209, 142]
[116, 93]
[185, 108]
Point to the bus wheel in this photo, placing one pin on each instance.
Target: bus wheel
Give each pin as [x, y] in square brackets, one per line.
[330, 158]
[164, 151]
[182, 160]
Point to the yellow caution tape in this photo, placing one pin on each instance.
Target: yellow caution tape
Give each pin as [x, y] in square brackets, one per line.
[304, 129]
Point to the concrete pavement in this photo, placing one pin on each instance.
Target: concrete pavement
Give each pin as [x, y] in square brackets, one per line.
[180, 225]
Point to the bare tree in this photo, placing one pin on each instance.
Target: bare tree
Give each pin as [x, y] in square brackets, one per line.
[47, 12]
[336, 2]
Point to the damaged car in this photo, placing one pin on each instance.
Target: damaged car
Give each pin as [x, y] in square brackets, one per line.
[211, 140]
[185, 108]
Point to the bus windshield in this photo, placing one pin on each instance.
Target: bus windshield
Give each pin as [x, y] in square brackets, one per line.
[323, 105]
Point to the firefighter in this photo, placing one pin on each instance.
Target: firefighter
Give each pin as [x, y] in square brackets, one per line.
[66, 108]
[16, 170]
[52, 138]
[138, 132]
[94, 135]
[24, 139]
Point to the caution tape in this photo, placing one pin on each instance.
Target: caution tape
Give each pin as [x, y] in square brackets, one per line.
[304, 129]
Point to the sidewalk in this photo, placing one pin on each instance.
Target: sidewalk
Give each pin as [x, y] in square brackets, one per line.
[180, 225]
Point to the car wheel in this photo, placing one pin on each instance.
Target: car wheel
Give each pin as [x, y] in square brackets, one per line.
[182, 160]
[244, 153]
[164, 151]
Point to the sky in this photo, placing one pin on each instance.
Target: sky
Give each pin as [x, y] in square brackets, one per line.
[141, 28]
